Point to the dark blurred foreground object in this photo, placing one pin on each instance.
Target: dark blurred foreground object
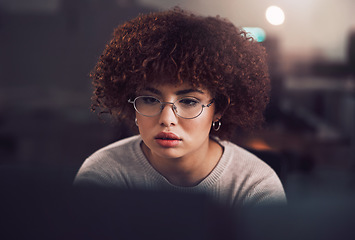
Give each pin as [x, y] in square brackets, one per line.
[101, 214]
[351, 52]
[35, 208]
[38, 206]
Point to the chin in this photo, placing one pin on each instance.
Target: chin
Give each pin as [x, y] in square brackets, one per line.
[168, 153]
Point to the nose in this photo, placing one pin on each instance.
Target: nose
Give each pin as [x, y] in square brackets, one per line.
[167, 115]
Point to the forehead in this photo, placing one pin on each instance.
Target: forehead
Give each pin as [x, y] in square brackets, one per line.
[176, 89]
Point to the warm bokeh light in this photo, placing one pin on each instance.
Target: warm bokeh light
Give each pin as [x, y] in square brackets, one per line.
[275, 15]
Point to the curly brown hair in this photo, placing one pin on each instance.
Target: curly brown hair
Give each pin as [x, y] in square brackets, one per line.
[179, 47]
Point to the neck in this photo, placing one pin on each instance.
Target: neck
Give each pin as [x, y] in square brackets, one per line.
[188, 170]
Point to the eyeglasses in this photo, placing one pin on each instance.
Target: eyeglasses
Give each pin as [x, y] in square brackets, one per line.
[186, 107]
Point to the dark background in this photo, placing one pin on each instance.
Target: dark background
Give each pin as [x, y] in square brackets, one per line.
[47, 129]
[45, 90]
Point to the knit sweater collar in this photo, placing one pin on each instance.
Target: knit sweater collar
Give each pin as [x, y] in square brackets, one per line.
[206, 183]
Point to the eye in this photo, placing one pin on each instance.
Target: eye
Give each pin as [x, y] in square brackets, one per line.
[189, 102]
[150, 100]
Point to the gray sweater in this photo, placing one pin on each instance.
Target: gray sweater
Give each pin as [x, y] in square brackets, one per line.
[240, 178]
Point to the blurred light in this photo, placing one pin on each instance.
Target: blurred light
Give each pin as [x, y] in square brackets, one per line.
[275, 15]
[257, 33]
[259, 145]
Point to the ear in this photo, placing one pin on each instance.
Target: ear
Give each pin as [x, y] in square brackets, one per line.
[218, 115]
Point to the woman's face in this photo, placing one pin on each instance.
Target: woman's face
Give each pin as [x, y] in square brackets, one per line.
[167, 135]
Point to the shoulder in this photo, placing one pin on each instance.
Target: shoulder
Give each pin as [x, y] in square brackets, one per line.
[256, 179]
[115, 152]
[110, 162]
[117, 146]
[244, 160]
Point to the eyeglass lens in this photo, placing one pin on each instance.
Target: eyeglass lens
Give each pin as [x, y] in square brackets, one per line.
[187, 107]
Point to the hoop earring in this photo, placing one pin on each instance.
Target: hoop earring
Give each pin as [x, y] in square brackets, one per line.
[216, 128]
[136, 121]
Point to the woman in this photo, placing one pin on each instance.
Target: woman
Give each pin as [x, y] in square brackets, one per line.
[186, 82]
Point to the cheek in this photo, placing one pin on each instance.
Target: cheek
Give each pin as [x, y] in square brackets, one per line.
[200, 126]
[143, 124]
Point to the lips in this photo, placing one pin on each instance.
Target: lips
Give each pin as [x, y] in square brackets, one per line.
[165, 139]
[167, 136]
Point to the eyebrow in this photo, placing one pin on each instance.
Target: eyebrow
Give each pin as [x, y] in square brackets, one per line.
[180, 92]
